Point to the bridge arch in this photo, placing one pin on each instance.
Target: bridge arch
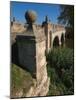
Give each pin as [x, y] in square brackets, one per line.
[56, 41]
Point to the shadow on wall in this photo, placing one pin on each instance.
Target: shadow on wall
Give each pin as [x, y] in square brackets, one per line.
[15, 58]
[14, 53]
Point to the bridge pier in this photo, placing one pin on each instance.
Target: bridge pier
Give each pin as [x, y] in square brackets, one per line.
[60, 43]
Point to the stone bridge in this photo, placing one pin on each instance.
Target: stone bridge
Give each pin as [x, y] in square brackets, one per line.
[29, 45]
[55, 34]
[36, 40]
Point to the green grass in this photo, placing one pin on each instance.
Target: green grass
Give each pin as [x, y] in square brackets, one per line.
[20, 80]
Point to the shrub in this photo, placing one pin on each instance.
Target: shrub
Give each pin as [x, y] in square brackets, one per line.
[60, 58]
[61, 70]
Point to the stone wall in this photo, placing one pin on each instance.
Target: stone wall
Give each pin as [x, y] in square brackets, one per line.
[41, 60]
[31, 54]
[27, 52]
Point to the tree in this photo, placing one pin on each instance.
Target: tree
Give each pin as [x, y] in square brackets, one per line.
[66, 16]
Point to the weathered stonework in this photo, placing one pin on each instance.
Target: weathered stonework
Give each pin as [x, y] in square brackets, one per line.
[33, 43]
[27, 52]
[39, 90]
[31, 53]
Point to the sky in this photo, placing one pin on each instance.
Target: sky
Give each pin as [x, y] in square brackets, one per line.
[18, 10]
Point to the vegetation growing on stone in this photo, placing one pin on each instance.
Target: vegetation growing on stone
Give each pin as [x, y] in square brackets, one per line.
[21, 81]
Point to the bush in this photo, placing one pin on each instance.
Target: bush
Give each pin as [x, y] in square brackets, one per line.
[60, 58]
[61, 70]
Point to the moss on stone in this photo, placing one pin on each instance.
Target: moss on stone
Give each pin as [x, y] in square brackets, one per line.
[21, 80]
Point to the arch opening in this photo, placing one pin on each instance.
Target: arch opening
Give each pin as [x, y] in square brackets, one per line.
[56, 42]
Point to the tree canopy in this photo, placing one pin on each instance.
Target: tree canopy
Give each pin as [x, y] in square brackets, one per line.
[66, 16]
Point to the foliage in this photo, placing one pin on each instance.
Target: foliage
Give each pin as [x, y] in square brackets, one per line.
[61, 71]
[66, 15]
